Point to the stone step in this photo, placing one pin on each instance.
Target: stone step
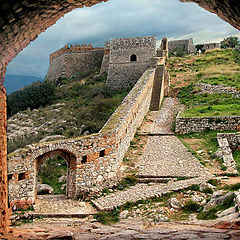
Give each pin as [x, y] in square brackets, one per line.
[155, 179]
[143, 191]
[63, 215]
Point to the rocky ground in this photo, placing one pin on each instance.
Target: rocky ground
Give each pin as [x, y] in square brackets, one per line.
[88, 228]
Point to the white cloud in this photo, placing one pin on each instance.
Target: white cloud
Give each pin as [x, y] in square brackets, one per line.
[121, 18]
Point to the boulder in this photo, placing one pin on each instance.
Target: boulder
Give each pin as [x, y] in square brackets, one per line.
[206, 185]
[174, 203]
[64, 235]
[217, 199]
[124, 214]
[227, 212]
[44, 188]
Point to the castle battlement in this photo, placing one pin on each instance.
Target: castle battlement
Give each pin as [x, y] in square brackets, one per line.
[73, 48]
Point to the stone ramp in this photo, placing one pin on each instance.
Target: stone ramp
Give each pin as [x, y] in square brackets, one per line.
[166, 156]
[160, 122]
[60, 206]
[166, 116]
[143, 192]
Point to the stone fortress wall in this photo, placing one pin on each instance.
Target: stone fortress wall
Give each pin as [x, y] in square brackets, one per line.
[129, 58]
[105, 61]
[211, 46]
[94, 161]
[69, 60]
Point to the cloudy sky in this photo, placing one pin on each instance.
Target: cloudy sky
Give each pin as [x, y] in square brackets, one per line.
[121, 18]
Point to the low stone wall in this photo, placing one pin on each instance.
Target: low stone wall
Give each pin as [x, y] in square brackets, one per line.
[226, 153]
[94, 161]
[186, 125]
[233, 139]
[208, 88]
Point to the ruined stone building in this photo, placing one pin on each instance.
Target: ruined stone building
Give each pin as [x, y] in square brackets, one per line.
[185, 45]
[72, 59]
[211, 46]
[124, 60]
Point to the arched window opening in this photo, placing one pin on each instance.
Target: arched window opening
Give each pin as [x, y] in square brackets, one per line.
[133, 58]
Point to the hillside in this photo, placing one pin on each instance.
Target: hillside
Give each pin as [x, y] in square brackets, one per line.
[209, 83]
[67, 108]
[208, 86]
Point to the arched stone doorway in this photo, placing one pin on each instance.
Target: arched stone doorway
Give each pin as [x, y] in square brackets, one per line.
[71, 168]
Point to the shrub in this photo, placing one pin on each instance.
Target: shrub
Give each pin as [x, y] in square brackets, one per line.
[194, 187]
[208, 215]
[213, 182]
[38, 94]
[108, 218]
[207, 190]
[232, 187]
[229, 42]
[191, 206]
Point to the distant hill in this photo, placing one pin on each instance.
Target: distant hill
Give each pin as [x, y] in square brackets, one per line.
[14, 82]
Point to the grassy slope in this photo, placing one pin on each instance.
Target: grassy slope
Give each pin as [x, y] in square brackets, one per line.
[88, 105]
[215, 68]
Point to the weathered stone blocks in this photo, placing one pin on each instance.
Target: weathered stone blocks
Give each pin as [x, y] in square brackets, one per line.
[186, 125]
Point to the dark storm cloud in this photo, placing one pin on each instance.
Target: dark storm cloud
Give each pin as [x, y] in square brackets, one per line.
[121, 18]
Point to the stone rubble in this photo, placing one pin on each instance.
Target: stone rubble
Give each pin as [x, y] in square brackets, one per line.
[211, 89]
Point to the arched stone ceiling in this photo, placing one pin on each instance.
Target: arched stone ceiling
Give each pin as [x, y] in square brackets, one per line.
[21, 21]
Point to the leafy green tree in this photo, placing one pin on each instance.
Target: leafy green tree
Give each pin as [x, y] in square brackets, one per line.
[230, 42]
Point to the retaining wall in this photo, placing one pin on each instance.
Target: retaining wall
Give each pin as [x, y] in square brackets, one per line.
[186, 125]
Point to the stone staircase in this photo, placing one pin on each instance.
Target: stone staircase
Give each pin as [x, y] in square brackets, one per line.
[143, 192]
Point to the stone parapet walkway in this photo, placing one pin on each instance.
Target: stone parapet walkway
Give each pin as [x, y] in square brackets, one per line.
[161, 122]
[143, 192]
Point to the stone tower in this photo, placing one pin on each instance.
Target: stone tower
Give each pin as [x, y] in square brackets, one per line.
[129, 58]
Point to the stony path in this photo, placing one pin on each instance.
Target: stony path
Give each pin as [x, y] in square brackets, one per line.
[129, 229]
[56, 206]
[166, 156]
[143, 191]
[160, 122]
[165, 117]
[163, 157]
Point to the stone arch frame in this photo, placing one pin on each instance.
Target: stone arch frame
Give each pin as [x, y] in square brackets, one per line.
[22, 21]
[71, 160]
[133, 58]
